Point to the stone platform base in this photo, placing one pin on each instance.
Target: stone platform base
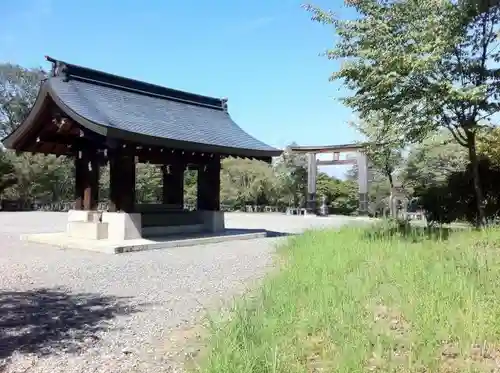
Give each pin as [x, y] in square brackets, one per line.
[63, 241]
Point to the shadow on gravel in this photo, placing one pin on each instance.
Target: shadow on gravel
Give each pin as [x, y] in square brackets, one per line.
[269, 234]
[279, 234]
[42, 321]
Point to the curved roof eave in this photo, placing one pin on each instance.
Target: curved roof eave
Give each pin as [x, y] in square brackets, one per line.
[46, 91]
[94, 127]
[41, 101]
[12, 139]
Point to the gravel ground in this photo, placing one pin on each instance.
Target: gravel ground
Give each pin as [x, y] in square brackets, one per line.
[76, 311]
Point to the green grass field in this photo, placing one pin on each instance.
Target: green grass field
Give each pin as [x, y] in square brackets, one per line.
[364, 301]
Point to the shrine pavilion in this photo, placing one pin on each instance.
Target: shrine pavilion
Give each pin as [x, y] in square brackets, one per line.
[99, 118]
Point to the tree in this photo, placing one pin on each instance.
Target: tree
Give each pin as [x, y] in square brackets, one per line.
[18, 91]
[291, 171]
[429, 63]
[54, 180]
[489, 144]
[383, 145]
[379, 187]
[190, 186]
[247, 181]
[341, 196]
[347, 198]
[428, 170]
[149, 183]
[454, 199]
[7, 172]
[39, 177]
[326, 187]
[430, 163]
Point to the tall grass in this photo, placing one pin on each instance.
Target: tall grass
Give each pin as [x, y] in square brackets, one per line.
[356, 300]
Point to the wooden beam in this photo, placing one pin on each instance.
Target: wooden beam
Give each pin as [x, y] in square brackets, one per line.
[75, 141]
[161, 156]
[336, 162]
[345, 148]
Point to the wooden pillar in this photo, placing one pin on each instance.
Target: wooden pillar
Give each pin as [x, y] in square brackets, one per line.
[121, 182]
[79, 184]
[173, 183]
[86, 180]
[208, 197]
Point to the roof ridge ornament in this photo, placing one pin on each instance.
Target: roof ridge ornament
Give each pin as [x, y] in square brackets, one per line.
[59, 68]
[224, 103]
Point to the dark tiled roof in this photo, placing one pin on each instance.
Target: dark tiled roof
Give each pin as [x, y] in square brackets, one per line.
[119, 106]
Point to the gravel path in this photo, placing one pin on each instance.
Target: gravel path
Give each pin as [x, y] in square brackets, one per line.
[76, 311]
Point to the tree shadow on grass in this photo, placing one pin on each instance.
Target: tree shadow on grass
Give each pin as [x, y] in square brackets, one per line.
[407, 232]
[42, 321]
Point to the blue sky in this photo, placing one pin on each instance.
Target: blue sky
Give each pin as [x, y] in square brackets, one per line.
[263, 55]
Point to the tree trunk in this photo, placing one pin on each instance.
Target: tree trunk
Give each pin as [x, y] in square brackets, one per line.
[471, 144]
[391, 181]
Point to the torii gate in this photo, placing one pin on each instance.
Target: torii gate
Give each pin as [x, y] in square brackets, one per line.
[330, 155]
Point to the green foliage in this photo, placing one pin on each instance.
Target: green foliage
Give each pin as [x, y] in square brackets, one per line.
[148, 183]
[379, 188]
[430, 162]
[429, 64]
[190, 186]
[36, 177]
[390, 229]
[489, 144]
[42, 178]
[422, 69]
[327, 187]
[341, 196]
[18, 91]
[455, 199]
[7, 172]
[427, 170]
[383, 144]
[244, 181]
[291, 171]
